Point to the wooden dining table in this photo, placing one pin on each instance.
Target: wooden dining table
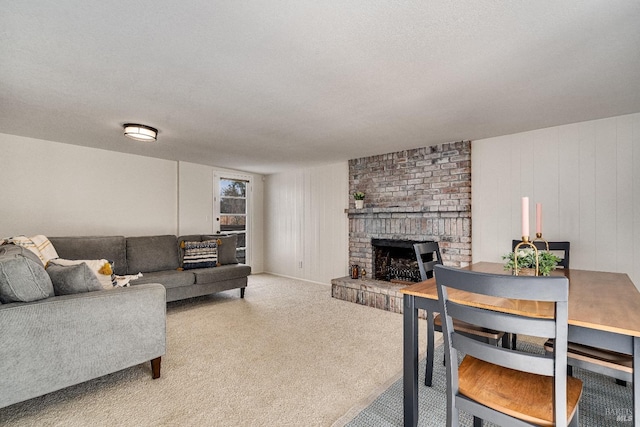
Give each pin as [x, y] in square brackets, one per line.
[604, 312]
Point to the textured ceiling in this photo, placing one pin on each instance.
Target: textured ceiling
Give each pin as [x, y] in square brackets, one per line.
[266, 86]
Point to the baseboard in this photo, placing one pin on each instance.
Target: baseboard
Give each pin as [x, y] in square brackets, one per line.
[295, 278]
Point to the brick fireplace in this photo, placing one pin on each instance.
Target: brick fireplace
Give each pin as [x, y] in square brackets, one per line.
[422, 194]
[395, 261]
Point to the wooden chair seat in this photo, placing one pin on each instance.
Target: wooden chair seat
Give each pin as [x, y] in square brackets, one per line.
[522, 395]
[598, 356]
[468, 328]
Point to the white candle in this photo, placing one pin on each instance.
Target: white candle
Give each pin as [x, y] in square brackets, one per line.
[539, 218]
[525, 216]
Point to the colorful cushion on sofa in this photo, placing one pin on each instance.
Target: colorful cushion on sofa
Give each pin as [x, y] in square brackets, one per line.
[200, 254]
[73, 279]
[22, 279]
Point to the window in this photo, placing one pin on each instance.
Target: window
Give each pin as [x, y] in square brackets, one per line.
[232, 211]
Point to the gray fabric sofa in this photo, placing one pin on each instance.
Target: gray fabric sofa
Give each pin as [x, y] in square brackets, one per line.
[159, 259]
[52, 342]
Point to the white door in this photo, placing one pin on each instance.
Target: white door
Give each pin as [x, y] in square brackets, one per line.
[231, 210]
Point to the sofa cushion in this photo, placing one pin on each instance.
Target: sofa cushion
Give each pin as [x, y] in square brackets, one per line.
[200, 254]
[101, 268]
[112, 248]
[224, 272]
[73, 279]
[152, 253]
[13, 249]
[168, 278]
[22, 279]
[227, 249]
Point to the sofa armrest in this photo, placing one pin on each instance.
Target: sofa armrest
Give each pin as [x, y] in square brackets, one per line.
[61, 341]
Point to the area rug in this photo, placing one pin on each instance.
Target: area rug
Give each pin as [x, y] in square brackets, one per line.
[604, 403]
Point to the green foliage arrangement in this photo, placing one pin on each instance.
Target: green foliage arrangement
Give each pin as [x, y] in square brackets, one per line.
[547, 261]
[358, 195]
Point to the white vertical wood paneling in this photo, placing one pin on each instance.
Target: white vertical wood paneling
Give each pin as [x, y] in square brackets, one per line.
[624, 192]
[606, 193]
[307, 234]
[635, 196]
[587, 177]
[583, 252]
[545, 165]
[569, 182]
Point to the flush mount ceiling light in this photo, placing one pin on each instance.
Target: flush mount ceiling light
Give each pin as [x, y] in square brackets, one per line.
[140, 132]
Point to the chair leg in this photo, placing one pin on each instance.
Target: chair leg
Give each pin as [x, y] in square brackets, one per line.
[623, 383]
[477, 422]
[428, 373]
[570, 370]
[505, 341]
[575, 419]
[514, 338]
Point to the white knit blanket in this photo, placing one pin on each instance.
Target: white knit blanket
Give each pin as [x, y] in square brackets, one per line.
[38, 244]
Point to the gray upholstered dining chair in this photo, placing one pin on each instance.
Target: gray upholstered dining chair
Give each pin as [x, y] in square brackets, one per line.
[505, 386]
[428, 256]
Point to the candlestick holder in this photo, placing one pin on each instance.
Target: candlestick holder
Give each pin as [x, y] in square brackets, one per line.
[525, 242]
[540, 239]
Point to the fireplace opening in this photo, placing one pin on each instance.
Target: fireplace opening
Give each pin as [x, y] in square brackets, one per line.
[395, 260]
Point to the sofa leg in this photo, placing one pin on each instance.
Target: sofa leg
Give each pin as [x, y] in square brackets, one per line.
[242, 292]
[155, 368]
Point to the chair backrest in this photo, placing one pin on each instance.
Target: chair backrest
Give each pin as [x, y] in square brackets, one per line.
[542, 290]
[428, 256]
[556, 247]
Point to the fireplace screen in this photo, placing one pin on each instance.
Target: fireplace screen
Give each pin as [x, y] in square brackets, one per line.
[395, 260]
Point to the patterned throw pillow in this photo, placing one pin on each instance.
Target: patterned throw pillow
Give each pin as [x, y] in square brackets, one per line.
[200, 254]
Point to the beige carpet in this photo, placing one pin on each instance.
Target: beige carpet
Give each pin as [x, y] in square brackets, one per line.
[285, 355]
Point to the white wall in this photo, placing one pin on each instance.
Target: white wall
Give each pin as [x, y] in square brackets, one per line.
[306, 226]
[587, 177]
[60, 189]
[195, 197]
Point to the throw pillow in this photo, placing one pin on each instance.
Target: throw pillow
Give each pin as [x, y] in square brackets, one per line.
[227, 250]
[227, 246]
[101, 268]
[73, 279]
[200, 254]
[21, 278]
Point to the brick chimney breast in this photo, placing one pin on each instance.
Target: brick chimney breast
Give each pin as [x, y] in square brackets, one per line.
[422, 194]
